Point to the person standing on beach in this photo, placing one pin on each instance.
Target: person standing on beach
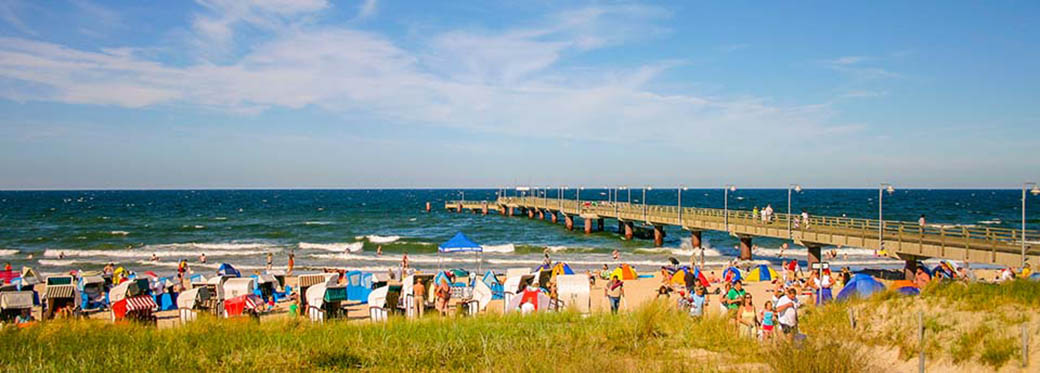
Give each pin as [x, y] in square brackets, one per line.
[419, 292]
[823, 285]
[614, 290]
[404, 262]
[698, 301]
[768, 318]
[270, 261]
[787, 308]
[292, 263]
[443, 296]
[735, 295]
[747, 316]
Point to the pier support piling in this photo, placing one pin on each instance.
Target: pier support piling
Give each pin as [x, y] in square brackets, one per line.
[745, 247]
[541, 215]
[695, 239]
[588, 225]
[658, 236]
[599, 224]
[629, 231]
[553, 217]
[568, 221]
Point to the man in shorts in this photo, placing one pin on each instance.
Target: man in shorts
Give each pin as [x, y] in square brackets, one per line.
[787, 308]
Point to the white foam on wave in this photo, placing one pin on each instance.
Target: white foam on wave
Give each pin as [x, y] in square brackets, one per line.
[119, 233]
[507, 248]
[317, 222]
[990, 222]
[144, 252]
[681, 251]
[373, 238]
[207, 246]
[8, 252]
[352, 247]
[560, 249]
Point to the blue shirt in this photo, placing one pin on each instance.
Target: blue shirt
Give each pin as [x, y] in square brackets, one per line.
[697, 305]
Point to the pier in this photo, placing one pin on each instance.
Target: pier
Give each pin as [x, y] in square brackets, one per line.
[907, 241]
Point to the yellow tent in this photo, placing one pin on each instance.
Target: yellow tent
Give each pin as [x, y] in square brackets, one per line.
[625, 272]
[761, 272]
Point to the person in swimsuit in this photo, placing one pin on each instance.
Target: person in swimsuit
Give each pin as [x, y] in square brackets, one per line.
[768, 319]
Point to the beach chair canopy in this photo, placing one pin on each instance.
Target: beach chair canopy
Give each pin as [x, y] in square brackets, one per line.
[119, 292]
[574, 291]
[316, 295]
[377, 298]
[188, 299]
[15, 300]
[227, 270]
[239, 304]
[459, 243]
[30, 276]
[236, 287]
[731, 275]
[762, 272]
[59, 280]
[625, 272]
[141, 303]
[538, 299]
[316, 278]
[861, 285]
[90, 280]
[492, 283]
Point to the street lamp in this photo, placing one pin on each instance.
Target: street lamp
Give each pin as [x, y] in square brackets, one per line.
[796, 188]
[883, 187]
[679, 204]
[1035, 191]
[578, 195]
[463, 195]
[645, 188]
[725, 202]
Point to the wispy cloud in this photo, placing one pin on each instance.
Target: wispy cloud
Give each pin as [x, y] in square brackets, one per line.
[733, 47]
[9, 13]
[855, 65]
[367, 9]
[507, 82]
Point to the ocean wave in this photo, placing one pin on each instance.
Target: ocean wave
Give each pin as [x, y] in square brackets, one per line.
[680, 252]
[990, 222]
[561, 249]
[208, 246]
[6, 252]
[144, 252]
[317, 223]
[507, 248]
[119, 233]
[220, 218]
[378, 239]
[339, 246]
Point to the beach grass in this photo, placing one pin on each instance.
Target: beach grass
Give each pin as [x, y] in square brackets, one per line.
[654, 337]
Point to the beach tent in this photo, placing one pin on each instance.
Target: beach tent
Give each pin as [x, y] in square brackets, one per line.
[625, 272]
[541, 267]
[906, 287]
[227, 270]
[574, 292]
[359, 284]
[945, 269]
[461, 244]
[731, 275]
[492, 283]
[561, 268]
[762, 272]
[861, 285]
[683, 276]
[1035, 276]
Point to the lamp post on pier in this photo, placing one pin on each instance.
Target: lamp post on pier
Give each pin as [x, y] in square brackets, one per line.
[725, 202]
[881, 220]
[796, 188]
[679, 203]
[645, 188]
[1035, 191]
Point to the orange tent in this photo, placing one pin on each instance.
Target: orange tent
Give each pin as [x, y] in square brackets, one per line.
[625, 272]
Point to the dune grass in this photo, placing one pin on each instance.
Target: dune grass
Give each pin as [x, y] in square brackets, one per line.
[655, 337]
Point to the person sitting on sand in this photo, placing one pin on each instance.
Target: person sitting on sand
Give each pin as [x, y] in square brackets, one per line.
[698, 301]
[605, 273]
[614, 290]
[922, 278]
[419, 292]
[529, 298]
[443, 293]
[768, 319]
[25, 317]
[746, 316]
[712, 278]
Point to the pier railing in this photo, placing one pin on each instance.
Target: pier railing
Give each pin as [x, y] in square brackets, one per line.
[896, 235]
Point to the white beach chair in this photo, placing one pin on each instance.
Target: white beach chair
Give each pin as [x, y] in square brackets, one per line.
[377, 304]
[186, 305]
[315, 300]
[481, 297]
[574, 291]
[408, 296]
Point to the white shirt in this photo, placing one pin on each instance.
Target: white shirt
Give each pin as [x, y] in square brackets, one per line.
[825, 283]
[789, 316]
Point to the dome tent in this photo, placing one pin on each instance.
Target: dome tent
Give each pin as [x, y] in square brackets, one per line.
[862, 285]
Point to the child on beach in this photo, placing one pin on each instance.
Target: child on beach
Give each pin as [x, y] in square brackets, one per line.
[697, 302]
[768, 318]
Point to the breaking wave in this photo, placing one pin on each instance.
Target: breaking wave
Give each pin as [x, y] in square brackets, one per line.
[352, 247]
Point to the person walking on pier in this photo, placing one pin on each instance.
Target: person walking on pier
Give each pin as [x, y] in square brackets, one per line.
[805, 219]
[921, 222]
[754, 212]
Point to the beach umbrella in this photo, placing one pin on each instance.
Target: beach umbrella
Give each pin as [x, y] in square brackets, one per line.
[461, 244]
[731, 274]
[1035, 276]
[227, 270]
[906, 287]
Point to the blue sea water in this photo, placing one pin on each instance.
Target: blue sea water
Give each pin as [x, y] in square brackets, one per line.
[65, 230]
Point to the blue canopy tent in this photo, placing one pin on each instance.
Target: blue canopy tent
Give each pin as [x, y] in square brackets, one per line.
[861, 285]
[461, 244]
[228, 271]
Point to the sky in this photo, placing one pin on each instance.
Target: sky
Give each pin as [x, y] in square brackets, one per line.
[426, 94]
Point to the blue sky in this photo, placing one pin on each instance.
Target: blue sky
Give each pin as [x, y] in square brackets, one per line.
[381, 93]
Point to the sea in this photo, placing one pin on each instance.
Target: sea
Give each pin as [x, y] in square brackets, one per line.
[60, 231]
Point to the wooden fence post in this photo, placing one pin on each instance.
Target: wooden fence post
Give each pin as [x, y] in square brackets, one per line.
[920, 328]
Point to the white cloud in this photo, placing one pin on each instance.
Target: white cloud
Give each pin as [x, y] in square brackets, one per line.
[508, 82]
[367, 9]
[9, 13]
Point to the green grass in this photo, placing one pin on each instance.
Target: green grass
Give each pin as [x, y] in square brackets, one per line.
[653, 338]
